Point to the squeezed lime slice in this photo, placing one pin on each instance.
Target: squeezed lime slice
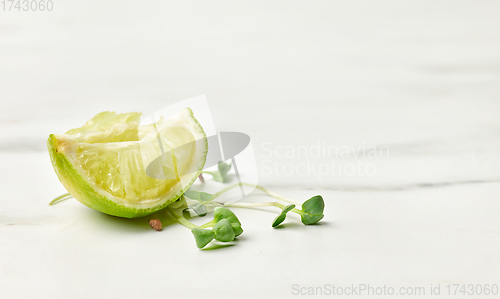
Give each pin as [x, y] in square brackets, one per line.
[112, 164]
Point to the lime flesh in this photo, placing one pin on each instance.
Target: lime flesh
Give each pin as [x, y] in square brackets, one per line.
[105, 163]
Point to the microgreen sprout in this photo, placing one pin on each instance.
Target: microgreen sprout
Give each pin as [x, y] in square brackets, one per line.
[225, 227]
[281, 217]
[199, 196]
[199, 209]
[200, 200]
[221, 174]
[226, 214]
[224, 232]
[202, 236]
[312, 210]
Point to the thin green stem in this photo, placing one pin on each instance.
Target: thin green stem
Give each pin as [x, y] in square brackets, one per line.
[181, 219]
[248, 204]
[268, 192]
[225, 190]
[209, 224]
[60, 198]
[272, 194]
[252, 205]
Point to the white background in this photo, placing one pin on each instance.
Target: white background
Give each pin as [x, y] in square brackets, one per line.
[420, 77]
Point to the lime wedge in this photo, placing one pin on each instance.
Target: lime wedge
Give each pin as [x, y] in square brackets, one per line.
[114, 165]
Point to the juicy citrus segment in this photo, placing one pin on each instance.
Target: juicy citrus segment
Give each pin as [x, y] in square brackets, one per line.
[115, 177]
[108, 127]
[123, 175]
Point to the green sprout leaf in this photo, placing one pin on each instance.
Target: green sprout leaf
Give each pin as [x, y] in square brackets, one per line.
[224, 231]
[203, 198]
[312, 210]
[225, 213]
[221, 174]
[202, 236]
[199, 209]
[199, 196]
[281, 217]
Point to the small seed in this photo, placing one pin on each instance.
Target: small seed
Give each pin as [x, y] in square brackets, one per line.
[155, 224]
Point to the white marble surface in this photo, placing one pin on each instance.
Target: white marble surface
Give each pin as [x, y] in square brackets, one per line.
[420, 78]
